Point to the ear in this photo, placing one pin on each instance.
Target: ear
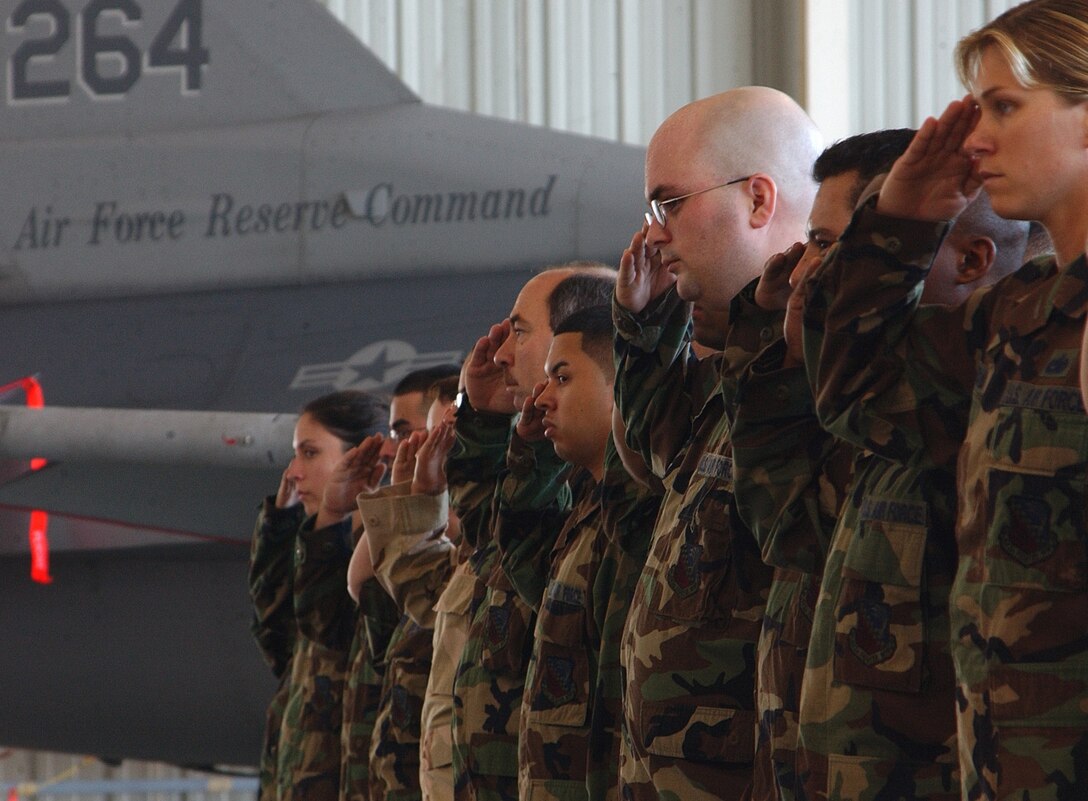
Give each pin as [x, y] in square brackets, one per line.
[976, 258]
[763, 196]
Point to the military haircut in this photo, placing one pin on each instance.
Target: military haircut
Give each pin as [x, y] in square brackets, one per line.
[595, 325]
[871, 154]
[592, 285]
[445, 390]
[423, 380]
[350, 414]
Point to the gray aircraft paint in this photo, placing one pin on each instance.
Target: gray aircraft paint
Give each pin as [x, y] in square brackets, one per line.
[125, 284]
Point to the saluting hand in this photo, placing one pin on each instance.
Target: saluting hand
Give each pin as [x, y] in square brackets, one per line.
[483, 378]
[530, 425]
[430, 475]
[404, 463]
[287, 494]
[360, 470]
[934, 179]
[773, 290]
[641, 277]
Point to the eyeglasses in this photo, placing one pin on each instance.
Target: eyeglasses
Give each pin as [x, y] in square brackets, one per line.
[657, 207]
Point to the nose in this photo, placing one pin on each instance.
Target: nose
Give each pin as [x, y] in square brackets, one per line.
[656, 233]
[805, 268]
[294, 473]
[546, 399]
[504, 356]
[978, 141]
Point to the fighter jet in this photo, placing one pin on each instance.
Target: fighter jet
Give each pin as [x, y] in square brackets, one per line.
[211, 213]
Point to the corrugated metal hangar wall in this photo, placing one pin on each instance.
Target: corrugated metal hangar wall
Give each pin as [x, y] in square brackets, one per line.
[616, 68]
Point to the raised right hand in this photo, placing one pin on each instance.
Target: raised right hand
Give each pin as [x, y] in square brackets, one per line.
[287, 494]
[641, 277]
[934, 179]
[360, 470]
[773, 290]
[430, 475]
[530, 425]
[483, 378]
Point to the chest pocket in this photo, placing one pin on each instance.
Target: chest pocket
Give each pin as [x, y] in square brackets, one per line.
[560, 673]
[1036, 492]
[504, 625]
[880, 625]
[698, 558]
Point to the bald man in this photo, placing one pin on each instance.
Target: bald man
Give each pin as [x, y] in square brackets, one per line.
[729, 184]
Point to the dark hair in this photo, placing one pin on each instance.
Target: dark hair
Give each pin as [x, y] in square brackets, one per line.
[444, 390]
[594, 323]
[424, 379]
[870, 154]
[579, 291]
[350, 414]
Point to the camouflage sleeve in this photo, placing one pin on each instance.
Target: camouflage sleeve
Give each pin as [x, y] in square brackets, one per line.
[324, 610]
[751, 329]
[271, 558]
[473, 468]
[887, 376]
[413, 559]
[782, 459]
[660, 384]
[628, 508]
[534, 501]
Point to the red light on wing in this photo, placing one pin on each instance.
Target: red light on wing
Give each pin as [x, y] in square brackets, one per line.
[39, 520]
[39, 547]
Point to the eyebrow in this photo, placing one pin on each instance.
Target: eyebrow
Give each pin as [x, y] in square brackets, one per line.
[992, 89]
[557, 366]
[516, 318]
[664, 189]
[827, 233]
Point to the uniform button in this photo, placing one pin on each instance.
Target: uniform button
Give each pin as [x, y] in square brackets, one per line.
[782, 393]
[766, 334]
[374, 520]
[892, 244]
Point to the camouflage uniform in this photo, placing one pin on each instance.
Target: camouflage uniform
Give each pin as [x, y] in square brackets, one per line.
[1000, 374]
[790, 479]
[878, 700]
[270, 579]
[628, 511]
[553, 744]
[308, 768]
[490, 678]
[412, 562]
[689, 644]
[375, 620]
[472, 469]
[567, 749]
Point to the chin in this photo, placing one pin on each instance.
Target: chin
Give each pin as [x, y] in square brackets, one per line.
[709, 337]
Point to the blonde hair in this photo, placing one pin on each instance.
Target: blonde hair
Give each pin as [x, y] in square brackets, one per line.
[1045, 43]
